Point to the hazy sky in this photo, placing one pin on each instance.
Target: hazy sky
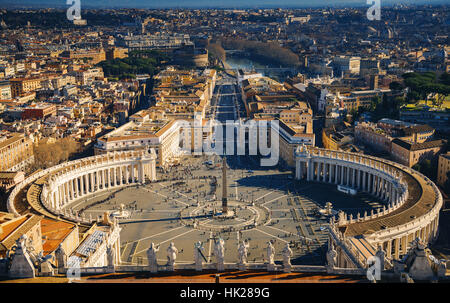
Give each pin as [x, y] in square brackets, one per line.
[210, 3]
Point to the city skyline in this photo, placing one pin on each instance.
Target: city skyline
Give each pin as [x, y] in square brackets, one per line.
[207, 4]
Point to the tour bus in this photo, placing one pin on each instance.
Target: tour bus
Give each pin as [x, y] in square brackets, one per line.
[346, 190]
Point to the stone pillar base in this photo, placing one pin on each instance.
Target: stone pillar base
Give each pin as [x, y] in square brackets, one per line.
[220, 267]
[287, 268]
[170, 267]
[270, 267]
[242, 267]
[153, 269]
[198, 267]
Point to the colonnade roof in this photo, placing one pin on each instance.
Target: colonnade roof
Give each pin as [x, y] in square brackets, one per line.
[421, 199]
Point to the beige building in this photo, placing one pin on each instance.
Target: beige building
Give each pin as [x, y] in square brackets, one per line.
[183, 93]
[291, 137]
[16, 152]
[95, 55]
[166, 137]
[56, 233]
[443, 168]
[20, 86]
[12, 228]
[411, 153]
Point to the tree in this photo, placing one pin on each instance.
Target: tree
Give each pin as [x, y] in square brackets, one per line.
[47, 155]
[216, 50]
[427, 167]
[374, 103]
[423, 84]
[396, 86]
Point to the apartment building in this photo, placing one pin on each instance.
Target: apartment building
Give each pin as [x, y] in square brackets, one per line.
[411, 153]
[20, 86]
[443, 168]
[85, 77]
[16, 152]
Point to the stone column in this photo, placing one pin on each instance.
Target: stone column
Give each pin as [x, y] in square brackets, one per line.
[109, 177]
[66, 193]
[358, 179]
[60, 196]
[114, 176]
[336, 173]
[77, 187]
[404, 244]
[348, 176]
[82, 185]
[330, 173]
[364, 181]
[319, 171]
[397, 248]
[354, 178]
[72, 189]
[92, 182]
[57, 197]
[325, 172]
[86, 183]
[141, 172]
[342, 175]
[389, 248]
[132, 173]
[374, 184]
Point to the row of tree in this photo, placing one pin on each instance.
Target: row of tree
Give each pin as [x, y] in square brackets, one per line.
[267, 51]
[51, 154]
[421, 85]
[138, 62]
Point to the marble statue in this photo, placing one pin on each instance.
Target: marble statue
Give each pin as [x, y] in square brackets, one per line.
[380, 254]
[243, 252]
[61, 259]
[331, 256]
[21, 264]
[219, 252]
[442, 269]
[270, 253]
[198, 255]
[171, 255]
[110, 256]
[151, 257]
[287, 254]
[270, 256]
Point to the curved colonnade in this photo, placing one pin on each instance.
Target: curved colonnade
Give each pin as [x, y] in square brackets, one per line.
[68, 182]
[412, 201]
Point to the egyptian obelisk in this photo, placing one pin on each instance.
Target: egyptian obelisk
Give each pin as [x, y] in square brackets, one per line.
[224, 186]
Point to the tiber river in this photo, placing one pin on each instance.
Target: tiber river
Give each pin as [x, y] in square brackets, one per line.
[248, 64]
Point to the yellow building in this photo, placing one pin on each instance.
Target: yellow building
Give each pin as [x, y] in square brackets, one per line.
[16, 152]
[337, 137]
